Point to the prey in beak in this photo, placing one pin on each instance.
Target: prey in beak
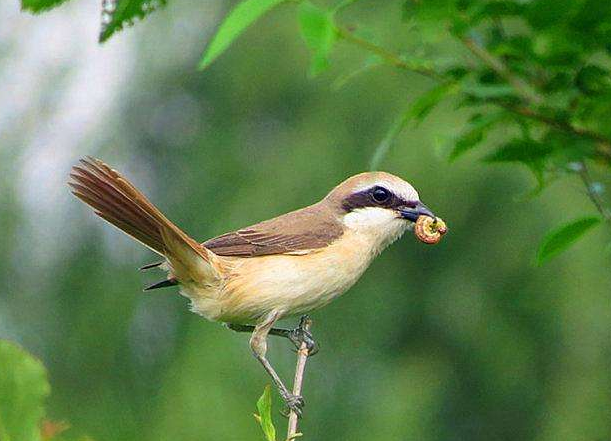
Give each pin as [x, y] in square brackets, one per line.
[428, 228]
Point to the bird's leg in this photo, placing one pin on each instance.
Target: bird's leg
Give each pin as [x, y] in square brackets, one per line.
[296, 336]
[258, 345]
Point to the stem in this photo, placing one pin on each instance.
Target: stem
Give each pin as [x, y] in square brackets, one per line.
[593, 195]
[497, 65]
[302, 358]
[388, 56]
[529, 95]
[604, 143]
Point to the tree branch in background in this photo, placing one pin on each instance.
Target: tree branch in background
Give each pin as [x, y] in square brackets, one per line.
[302, 358]
[603, 149]
[388, 56]
[497, 65]
[530, 96]
[604, 146]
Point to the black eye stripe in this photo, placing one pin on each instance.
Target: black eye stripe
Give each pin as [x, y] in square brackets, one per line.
[365, 198]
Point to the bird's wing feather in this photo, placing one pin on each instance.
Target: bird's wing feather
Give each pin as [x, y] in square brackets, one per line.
[116, 200]
[297, 232]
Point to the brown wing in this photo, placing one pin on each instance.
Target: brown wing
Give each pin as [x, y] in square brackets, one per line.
[292, 233]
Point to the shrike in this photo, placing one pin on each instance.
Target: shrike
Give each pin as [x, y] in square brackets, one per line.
[281, 267]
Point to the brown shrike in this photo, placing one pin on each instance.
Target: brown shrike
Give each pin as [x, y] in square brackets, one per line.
[281, 267]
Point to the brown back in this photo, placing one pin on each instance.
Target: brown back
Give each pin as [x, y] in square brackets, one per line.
[296, 232]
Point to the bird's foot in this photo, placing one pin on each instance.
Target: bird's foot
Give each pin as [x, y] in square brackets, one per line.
[301, 335]
[294, 403]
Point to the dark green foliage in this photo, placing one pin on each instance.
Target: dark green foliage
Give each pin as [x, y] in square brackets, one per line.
[40, 5]
[535, 64]
[119, 13]
[527, 151]
[474, 133]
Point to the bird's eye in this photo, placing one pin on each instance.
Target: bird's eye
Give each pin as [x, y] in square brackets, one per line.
[380, 195]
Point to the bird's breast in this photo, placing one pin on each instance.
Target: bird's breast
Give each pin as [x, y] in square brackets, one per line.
[293, 284]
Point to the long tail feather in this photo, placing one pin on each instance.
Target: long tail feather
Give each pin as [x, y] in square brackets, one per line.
[163, 284]
[151, 265]
[116, 200]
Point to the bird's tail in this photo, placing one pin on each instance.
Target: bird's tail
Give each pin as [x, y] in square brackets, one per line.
[116, 200]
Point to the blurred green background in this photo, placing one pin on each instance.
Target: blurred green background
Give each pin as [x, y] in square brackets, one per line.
[466, 340]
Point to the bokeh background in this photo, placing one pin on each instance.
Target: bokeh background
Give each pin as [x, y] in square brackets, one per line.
[467, 340]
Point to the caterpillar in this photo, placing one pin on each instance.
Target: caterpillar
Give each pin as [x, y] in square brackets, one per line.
[430, 230]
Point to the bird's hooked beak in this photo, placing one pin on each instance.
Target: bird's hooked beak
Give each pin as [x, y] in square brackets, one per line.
[413, 213]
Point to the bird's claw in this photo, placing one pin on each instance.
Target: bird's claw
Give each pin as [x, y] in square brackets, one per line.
[294, 403]
[301, 335]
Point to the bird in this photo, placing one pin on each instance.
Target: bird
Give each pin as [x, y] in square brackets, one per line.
[285, 266]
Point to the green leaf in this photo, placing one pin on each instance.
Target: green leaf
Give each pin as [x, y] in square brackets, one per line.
[318, 31]
[542, 14]
[264, 406]
[117, 13]
[240, 17]
[426, 102]
[593, 80]
[417, 111]
[23, 389]
[40, 5]
[474, 133]
[562, 238]
[527, 151]
[503, 8]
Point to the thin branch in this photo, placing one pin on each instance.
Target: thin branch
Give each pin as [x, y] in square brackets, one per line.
[302, 358]
[388, 56]
[604, 142]
[497, 65]
[529, 95]
[592, 193]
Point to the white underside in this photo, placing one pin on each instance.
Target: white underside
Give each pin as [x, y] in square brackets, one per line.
[293, 284]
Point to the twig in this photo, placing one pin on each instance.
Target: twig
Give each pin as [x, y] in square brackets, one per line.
[302, 358]
[529, 95]
[388, 56]
[603, 149]
[592, 193]
[604, 143]
[497, 65]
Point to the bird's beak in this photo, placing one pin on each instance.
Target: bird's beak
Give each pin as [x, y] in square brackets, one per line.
[414, 213]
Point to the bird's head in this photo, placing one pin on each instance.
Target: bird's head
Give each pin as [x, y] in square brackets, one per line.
[378, 205]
